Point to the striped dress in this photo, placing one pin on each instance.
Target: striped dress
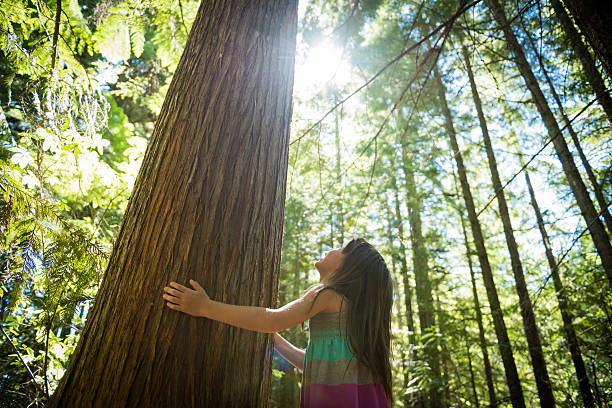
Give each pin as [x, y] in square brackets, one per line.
[332, 377]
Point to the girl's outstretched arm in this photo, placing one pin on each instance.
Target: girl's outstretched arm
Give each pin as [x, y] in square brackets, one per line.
[289, 352]
[196, 302]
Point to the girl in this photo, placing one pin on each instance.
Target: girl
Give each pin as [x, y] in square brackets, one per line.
[346, 362]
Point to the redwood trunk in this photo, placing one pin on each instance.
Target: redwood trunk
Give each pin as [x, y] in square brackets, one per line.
[594, 224]
[208, 205]
[532, 334]
[505, 348]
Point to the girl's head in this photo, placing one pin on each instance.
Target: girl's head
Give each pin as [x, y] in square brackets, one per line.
[358, 272]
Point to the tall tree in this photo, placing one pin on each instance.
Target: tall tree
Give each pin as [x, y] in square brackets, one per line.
[591, 217]
[208, 205]
[422, 280]
[481, 334]
[601, 200]
[566, 316]
[505, 348]
[588, 64]
[594, 19]
[532, 334]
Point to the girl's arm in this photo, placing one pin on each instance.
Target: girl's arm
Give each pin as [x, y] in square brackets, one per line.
[262, 319]
[289, 352]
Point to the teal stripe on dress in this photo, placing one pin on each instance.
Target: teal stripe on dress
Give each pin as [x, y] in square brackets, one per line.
[330, 349]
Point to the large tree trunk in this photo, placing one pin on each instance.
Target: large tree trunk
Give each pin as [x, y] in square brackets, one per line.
[594, 17]
[208, 205]
[594, 224]
[422, 282]
[505, 348]
[588, 65]
[532, 335]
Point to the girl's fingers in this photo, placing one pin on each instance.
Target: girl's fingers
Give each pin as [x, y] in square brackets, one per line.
[172, 306]
[173, 292]
[170, 298]
[178, 286]
[195, 284]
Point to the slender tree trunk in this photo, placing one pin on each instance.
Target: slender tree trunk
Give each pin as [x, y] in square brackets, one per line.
[570, 334]
[594, 224]
[538, 362]
[445, 355]
[208, 205]
[601, 200]
[469, 356]
[423, 283]
[399, 223]
[339, 209]
[594, 17]
[505, 348]
[481, 334]
[588, 65]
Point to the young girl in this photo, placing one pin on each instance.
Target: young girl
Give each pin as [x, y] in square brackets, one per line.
[346, 362]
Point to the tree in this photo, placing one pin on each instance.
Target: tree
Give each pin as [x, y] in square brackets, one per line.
[590, 215]
[532, 334]
[208, 205]
[503, 342]
[587, 62]
[594, 19]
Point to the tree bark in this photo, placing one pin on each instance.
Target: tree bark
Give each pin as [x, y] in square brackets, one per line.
[588, 65]
[208, 205]
[532, 335]
[594, 17]
[594, 224]
[505, 348]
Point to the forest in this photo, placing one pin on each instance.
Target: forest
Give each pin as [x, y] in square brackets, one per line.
[236, 142]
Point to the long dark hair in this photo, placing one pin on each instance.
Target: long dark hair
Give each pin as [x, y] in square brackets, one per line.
[365, 282]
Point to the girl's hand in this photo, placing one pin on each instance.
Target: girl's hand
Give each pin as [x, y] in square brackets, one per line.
[193, 302]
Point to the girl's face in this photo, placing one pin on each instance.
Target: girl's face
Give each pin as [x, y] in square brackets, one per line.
[330, 262]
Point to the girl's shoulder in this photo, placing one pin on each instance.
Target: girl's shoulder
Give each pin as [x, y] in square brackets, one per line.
[331, 301]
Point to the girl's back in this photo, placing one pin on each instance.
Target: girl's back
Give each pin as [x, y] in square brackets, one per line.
[332, 376]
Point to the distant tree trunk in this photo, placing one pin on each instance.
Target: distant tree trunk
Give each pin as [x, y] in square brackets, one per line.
[532, 335]
[594, 224]
[472, 379]
[570, 334]
[423, 283]
[399, 223]
[505, 348]
[339, 220]
[208, 204]
[588, 65]
[481, 334]
[601, 200]
[594, 17]
[445, 355]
